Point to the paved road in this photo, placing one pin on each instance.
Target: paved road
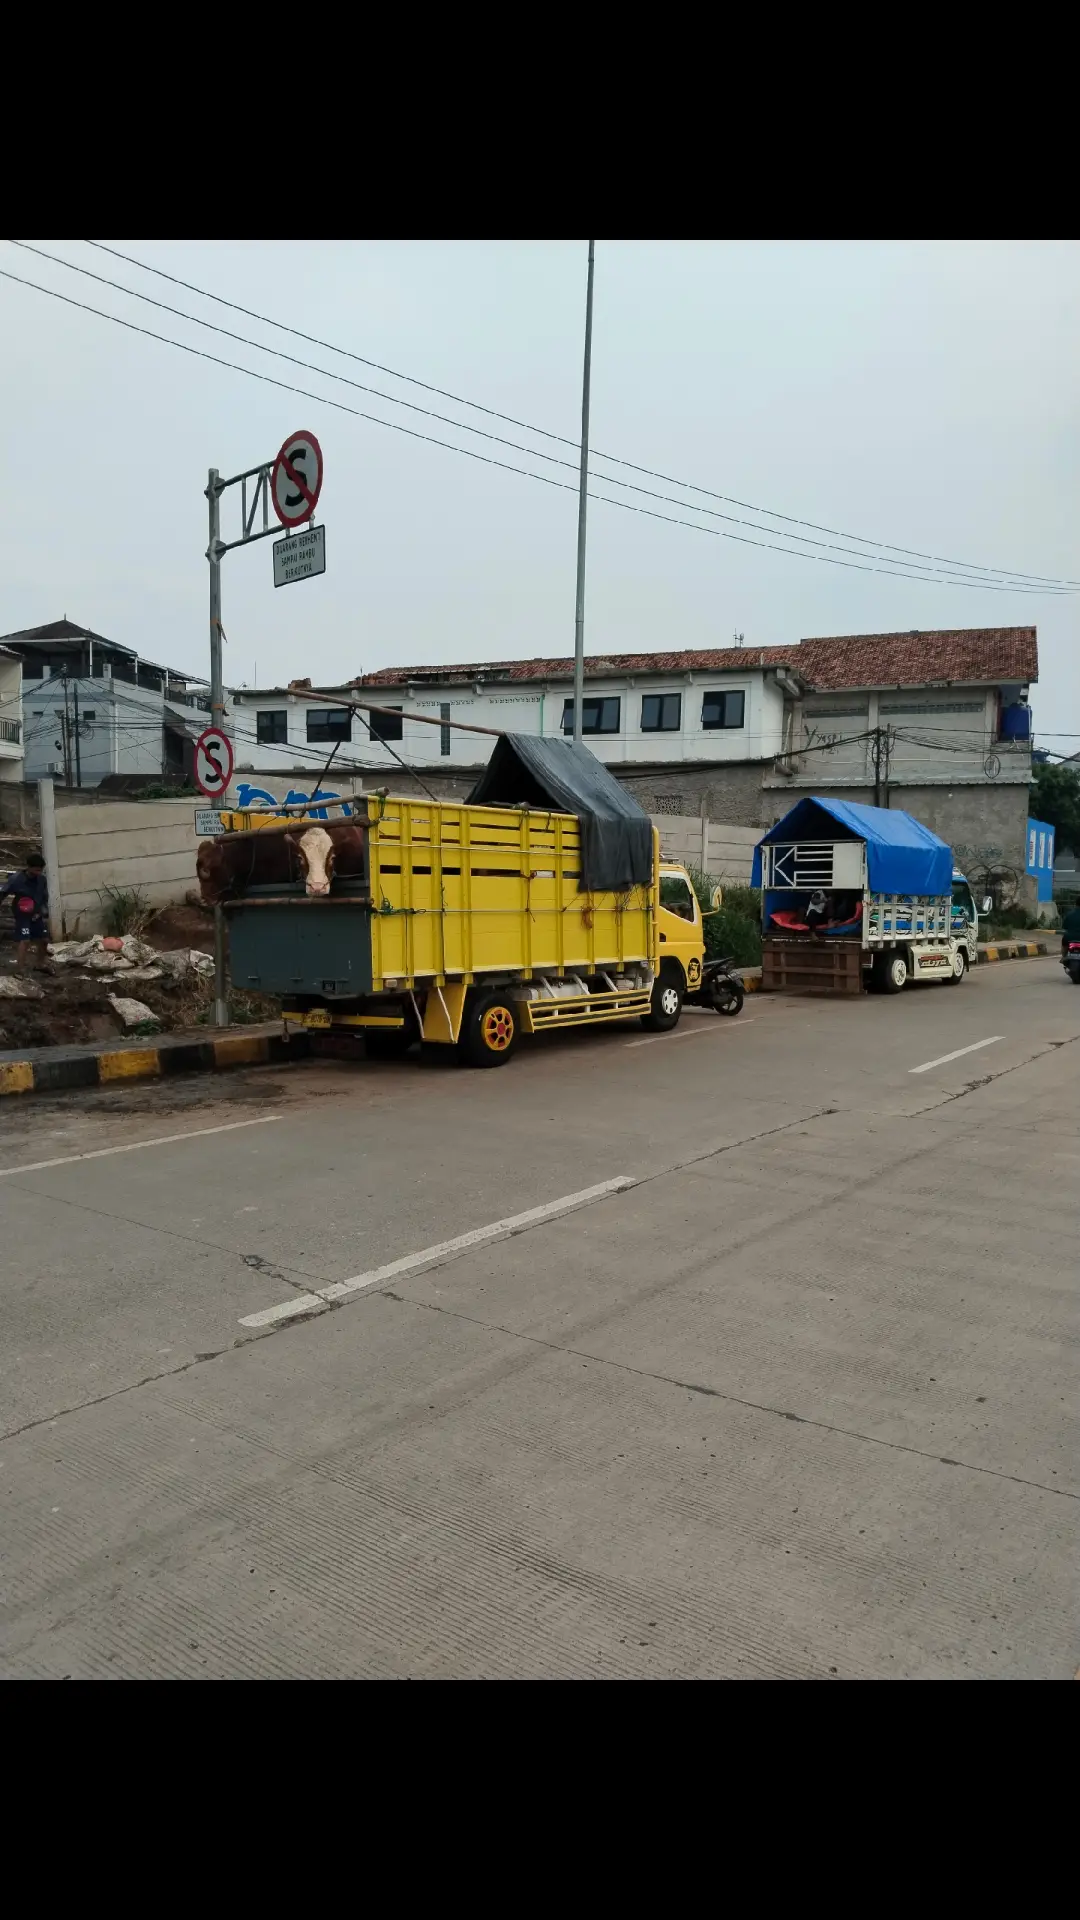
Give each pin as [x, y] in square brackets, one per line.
[792, 1395]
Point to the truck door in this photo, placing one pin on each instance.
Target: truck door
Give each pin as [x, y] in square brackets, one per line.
[679, 924]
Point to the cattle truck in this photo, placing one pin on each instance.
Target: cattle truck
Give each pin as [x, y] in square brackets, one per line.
[858, 897]
[467, 925]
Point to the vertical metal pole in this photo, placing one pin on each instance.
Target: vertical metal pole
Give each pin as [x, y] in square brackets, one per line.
[78, 749]
[217, 717]
[47, 813]
[583, 485]
[65, 728]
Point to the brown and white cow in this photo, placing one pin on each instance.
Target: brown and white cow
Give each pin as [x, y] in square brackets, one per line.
[226, 867]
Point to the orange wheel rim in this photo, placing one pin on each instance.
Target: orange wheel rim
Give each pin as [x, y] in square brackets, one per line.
[498, 1028]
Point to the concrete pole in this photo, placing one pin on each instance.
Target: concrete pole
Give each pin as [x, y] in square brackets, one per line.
[217, 715]
[583, 488]
[47, 811]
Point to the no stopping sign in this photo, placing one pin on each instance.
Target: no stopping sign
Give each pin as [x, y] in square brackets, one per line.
[213, 762]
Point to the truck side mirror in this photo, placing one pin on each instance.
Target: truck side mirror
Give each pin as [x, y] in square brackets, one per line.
[987, 905]
[717, 899]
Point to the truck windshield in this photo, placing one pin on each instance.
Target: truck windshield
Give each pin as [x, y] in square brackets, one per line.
[676, 896]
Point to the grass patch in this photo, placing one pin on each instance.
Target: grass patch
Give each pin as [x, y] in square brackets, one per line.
[126, 910]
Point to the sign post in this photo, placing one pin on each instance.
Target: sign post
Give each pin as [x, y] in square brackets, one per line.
[293, 482]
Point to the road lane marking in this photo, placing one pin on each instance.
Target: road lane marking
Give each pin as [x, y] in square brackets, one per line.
[683, 1033]
[944, 1058]
[436, 1256]
[135, 1146]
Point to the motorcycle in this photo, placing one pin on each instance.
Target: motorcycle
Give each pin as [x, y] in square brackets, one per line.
[1070, 960]
[720, 988]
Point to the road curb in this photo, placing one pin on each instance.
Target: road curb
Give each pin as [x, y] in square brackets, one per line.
[751, 978]
[1014, 950]
[63, 1069]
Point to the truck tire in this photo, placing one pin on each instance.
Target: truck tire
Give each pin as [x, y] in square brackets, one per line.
[489, 1033]
[959, 968]
[668, 993]
[891, 971]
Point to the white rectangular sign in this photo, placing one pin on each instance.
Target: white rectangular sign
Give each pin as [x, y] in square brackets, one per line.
[208, 822]
[300, 556]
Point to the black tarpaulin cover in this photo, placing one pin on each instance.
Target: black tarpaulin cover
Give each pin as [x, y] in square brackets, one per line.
[616, 834]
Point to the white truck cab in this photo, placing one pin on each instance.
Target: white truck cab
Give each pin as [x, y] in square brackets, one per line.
[965, 915]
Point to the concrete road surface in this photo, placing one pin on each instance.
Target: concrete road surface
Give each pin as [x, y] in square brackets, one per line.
[743, 1351]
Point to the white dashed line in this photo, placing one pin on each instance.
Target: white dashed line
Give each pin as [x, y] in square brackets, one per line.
[136, 1146]
[943, 1058]
[303, 1303]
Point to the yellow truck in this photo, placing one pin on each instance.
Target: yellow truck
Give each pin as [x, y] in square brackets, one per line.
[459, 925]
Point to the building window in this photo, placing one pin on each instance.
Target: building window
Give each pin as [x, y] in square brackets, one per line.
[723, 710]
[272, 729]
[387, 725]
[597, 715]
[328, 723]
[444, 731]
[89, 713]
[661, 712]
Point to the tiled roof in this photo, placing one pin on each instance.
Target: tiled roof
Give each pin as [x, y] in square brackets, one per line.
[703, 660]
[972, 654]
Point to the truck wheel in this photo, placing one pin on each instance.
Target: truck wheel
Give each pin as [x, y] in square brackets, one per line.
[667, 998]
[959, 968]
[490, 1032]
[892, 972]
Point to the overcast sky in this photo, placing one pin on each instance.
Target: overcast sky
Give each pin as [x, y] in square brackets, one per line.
[920, 394]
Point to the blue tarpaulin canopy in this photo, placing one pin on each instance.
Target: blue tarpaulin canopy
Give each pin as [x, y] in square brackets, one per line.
[902, 856]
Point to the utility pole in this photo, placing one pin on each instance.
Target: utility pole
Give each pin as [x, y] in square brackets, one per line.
[583, 487]
[65, 729]
[214, 551]
[881, 752]
[78, 750]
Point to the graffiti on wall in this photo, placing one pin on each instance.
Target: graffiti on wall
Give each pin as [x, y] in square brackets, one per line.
[249, 796]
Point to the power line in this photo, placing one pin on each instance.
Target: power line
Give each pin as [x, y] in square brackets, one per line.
[912, 553]
[463, 426]
[507, 466]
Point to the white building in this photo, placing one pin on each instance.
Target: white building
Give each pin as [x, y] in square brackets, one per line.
[11, 716]
[93, 708]
[640, 710]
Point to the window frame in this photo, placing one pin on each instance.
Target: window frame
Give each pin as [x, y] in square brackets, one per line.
[271, 739]
[724, 725]
[660, 725]
[598, 701]
[377, 721]
[325, 735]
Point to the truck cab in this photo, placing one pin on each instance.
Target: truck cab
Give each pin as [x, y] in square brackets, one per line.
[965, 916]
[680, 933]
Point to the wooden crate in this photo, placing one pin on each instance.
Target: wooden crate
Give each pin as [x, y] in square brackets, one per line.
[805, 965]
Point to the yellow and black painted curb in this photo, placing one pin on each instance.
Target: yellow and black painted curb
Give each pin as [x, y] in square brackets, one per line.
[1014, 950]
[61, 1069]
[751, 978]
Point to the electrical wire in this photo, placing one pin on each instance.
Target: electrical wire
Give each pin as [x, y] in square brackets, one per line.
[463, 426]
[562, 439]
[506, 466]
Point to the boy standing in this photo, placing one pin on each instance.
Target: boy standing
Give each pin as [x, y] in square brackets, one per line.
[29, 890]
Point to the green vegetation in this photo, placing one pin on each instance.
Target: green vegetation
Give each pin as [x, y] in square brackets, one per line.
[736, 929]
[126, 910]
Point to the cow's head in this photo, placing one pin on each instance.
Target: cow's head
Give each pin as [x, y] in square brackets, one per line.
[316, 851]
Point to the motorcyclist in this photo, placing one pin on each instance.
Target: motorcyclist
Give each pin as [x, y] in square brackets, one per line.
[1070, 928]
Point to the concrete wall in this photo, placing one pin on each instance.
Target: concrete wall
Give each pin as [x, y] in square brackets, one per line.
[726, 852]
[150, 844]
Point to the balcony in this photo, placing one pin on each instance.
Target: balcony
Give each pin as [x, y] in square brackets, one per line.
[10, 738]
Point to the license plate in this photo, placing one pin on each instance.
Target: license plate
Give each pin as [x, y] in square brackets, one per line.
[317, 1018]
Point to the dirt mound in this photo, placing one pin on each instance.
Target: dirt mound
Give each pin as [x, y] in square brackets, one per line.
[183, 926]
